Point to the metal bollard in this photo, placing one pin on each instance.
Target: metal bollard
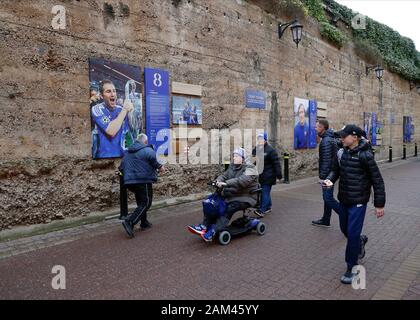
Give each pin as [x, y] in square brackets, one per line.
[415, 149]
[123, 198]
[286, 167]
[390, 154]
[404, 152]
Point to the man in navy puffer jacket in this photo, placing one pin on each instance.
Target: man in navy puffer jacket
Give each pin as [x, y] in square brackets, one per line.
[327, 151]
[139, 167]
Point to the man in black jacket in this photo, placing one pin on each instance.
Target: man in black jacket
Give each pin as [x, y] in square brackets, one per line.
[271, 172]
[358, 172]
[139, 167]
[327, 152]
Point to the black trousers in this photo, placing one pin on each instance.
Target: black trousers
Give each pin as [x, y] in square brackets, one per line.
[223, 221]
[144, 197]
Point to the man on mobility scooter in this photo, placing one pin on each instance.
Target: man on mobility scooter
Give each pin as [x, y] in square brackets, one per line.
[238, 190]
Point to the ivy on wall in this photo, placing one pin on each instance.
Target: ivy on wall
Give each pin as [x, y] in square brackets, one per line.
[398, 53]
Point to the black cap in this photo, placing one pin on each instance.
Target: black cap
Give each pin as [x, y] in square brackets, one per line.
[350, 129]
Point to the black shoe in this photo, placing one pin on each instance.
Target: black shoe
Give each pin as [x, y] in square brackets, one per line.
[348, 277]
[321, 223]
[145, 225]
[363, 241]
[128, 228]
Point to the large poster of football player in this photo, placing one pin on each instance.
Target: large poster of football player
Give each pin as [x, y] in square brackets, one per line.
[115, 107]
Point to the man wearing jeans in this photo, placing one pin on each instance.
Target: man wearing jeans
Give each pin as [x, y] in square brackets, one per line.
[139, 167]
[327, 152]
[358, 172]
[271, 171]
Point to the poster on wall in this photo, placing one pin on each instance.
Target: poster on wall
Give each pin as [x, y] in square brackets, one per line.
[367, 124]
[312, 139]
[115, 90]
[305, 121]
[186, 110]
[373, 130]
[156, 83]
[406, 129]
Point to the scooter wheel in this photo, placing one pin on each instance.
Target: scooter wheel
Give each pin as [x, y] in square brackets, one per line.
[261, 228]
[224, 237]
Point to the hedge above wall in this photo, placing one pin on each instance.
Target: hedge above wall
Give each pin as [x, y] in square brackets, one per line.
[397, 52]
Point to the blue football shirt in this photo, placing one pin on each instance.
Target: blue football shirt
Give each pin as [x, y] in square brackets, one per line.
[108, 147]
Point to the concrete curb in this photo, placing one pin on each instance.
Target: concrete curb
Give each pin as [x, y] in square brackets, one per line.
[95, 217]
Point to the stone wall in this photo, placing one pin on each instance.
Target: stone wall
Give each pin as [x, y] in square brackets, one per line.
[46, 168]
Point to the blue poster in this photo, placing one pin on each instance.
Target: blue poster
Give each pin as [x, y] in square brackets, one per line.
[406, 129]
[373, 138]
[409, 128]
[254, 99]
[312, 124]
[157, 106]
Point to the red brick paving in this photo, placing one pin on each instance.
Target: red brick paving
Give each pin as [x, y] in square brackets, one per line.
[294, 260]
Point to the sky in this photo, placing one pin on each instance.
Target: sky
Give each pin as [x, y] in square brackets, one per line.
[400, 15]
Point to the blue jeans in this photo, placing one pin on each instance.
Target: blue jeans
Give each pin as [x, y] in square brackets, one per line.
[222, 221]
[327, 206]
[265, 197]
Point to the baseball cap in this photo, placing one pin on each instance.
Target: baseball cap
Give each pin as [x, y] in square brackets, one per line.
[350, 129]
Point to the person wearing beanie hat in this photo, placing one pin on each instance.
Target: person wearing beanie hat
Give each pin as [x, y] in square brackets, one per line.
[271, 171]
[239, 183]
[240, 152]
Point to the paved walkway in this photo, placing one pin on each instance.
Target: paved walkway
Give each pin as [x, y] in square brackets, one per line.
[294, 260]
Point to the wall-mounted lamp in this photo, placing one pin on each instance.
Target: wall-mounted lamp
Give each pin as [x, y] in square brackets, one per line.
[379, 71]
[296, 29]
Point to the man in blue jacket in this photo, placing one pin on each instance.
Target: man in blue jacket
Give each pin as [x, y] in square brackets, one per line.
[139, 167]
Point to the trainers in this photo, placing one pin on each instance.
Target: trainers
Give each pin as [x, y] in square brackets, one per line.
[145, 225]
[208, 236]
[267, 211]
[128, 228]
[363, 241]
[348, 277]
[259, 213]
[321, 223]
[198, 229]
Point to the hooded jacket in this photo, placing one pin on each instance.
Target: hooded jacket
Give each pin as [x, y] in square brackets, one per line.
[358, 172]
[139, 164]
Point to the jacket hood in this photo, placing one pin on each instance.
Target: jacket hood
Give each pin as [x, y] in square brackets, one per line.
[363, 145]
[136, 147]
